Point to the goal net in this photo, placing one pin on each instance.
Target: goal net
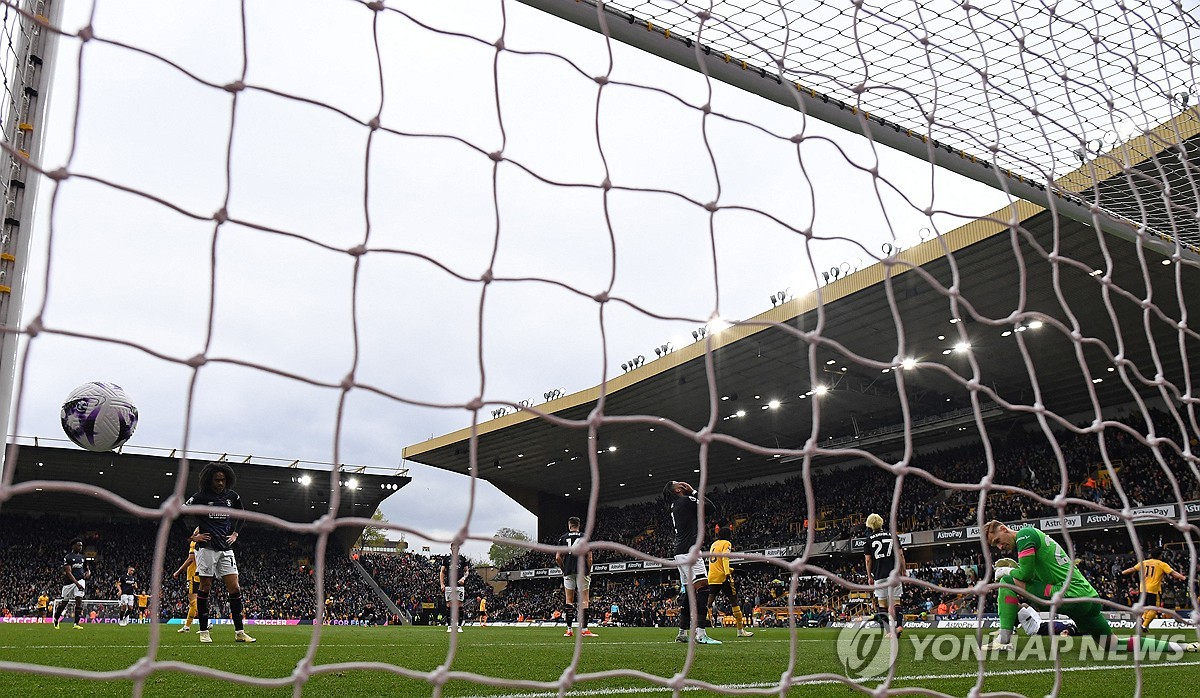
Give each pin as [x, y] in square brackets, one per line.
[929, 260]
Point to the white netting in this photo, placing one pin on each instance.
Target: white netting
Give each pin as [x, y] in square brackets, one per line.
[365, 215]
[1028, 87]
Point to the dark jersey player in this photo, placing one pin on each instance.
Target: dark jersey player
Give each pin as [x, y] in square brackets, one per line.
[126, 588]
[453, 590]
[75, 572]
[685, 517]
[214, 545]
[576, 577]
[885, 555]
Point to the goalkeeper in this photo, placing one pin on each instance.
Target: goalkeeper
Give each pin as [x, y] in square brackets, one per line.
[1028, 617]
[1043, 570]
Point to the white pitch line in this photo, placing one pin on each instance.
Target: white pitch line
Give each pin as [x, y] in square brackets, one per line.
[800, 684]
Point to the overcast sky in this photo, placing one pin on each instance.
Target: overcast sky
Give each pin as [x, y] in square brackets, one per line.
[130, 268]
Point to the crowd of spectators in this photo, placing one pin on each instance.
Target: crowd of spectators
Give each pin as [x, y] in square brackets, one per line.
[777, 513]
[276, 571]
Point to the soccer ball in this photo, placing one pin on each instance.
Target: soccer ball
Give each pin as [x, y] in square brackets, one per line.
[99, 416]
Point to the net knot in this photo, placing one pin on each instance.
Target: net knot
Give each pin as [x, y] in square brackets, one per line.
[221, 215]
[87, 33]
[197, 361]
[476, 403]
[711, 206]
[142, 668]
[348, 381]
[487, 277]
[499, 44]
[496, 156]
[59, 174]
[375, 6]
[374, 123]
[601, 297]
[235, 86]
[34, 326]
[601, 79]
[303, 671]
[357, 250]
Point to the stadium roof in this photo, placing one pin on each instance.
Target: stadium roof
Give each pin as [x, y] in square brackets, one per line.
[778, 355]
[147, 479]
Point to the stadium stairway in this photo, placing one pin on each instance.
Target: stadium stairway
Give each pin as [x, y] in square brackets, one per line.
[392, 608]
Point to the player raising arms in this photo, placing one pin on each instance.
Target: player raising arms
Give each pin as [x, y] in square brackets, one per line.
[192, 580]
[1043, 569]
[720, 577]
[75, 569]
[1152, 572]
[575, 577]
[884, 554]
[126, 586]
[214, 545]
[685, 517]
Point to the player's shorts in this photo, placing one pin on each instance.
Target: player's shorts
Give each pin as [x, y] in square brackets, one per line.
[896, 591]
[126, 599]
[455, 592]
[1057, 628]
[726, 587]
[194, 586]
[571, 582]
[1089, 618]
[72, 591]
[691, 573]
[215, 563]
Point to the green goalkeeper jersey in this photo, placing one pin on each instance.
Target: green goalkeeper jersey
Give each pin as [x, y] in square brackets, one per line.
[1044, 567]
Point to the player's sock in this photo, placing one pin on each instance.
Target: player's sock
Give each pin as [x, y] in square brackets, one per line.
[702, 597]
[738, 619]
[583, 618]
[1147, 617]
[570, 616]
[1153, 644]
[202, 609]
[235, 609]
[191, 614]
[685, 612]
[881, 618]
[78, 612]
[898, 617]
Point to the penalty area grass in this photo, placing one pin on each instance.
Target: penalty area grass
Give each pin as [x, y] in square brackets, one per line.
[542, 655]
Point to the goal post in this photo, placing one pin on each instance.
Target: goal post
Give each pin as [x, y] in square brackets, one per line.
[28, 63]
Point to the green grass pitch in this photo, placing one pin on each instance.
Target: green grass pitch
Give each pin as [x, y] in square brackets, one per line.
[532, 655]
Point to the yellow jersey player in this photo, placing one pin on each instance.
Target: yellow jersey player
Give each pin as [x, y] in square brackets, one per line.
[1153, 571]
[192, 579]
[720, 577]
